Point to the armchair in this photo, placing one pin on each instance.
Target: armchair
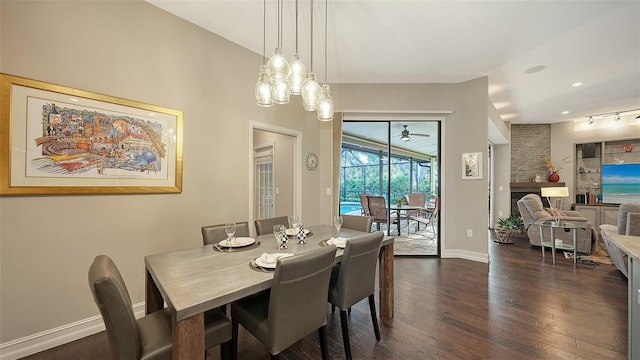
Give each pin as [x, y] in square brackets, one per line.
[532, 210]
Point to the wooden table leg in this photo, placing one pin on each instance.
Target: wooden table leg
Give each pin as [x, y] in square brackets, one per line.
[385, 278]
[153, 298]
[188, 338]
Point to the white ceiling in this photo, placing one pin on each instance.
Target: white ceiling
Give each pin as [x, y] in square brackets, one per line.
[395, 41]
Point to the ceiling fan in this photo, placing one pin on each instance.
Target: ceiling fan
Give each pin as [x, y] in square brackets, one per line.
[405, 134]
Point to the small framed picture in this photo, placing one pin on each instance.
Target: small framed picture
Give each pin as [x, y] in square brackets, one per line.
[472, 166]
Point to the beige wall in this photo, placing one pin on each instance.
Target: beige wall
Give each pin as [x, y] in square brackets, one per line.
[464, 202]
[133, 50]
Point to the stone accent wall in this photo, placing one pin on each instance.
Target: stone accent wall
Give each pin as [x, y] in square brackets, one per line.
[528, 143]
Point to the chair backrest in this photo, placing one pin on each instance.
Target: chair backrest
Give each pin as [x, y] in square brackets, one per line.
[265, 226]
[216, 233]
[417, 199]
[356, 279]
[298, 298]
[378, 208]
[112, 297]
[531, 209]
[364, 202]
[359, 223]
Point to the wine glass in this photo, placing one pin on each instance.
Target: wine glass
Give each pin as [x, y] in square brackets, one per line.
[280, 233]
[230, 229]
[337, 221]
[293, 221]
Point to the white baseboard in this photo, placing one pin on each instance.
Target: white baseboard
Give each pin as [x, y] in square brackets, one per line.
[32, 344]
[467, 255]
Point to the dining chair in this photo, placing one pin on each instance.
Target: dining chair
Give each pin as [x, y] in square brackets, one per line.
[149, 337]
[216, 233]
[354, 280]
[265, 226]
[359, 223]
[379, 212]
[364, 202]
[293, 308]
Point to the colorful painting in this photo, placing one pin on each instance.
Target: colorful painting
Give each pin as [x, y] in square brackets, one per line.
[72, 141]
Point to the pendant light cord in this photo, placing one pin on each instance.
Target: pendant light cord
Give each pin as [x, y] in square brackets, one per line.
[326, 16]
[296, 26]
[264, 31]
[311, 35]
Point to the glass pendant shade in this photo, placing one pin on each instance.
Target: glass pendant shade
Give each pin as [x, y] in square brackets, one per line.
[263, 89]
[297, 75]
[325, 106]
[277, 66]
[281, 91]
[311, 92]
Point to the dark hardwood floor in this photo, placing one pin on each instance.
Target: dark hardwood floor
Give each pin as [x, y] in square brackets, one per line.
[516, 307]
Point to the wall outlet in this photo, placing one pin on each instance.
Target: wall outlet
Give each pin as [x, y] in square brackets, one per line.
[328, 191]
[277, 190]
[469, 233]
[499, 213]
[500, 188]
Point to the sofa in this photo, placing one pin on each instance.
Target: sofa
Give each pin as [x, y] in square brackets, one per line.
[532, 210]
[628, 224]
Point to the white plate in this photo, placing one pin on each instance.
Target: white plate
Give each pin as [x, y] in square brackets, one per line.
[271, 265]
[237, 242]
[292, 232]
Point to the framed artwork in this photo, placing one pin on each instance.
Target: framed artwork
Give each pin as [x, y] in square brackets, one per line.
[60, 140]
[472, 165]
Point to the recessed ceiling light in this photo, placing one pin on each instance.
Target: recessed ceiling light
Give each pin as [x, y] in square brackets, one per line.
[535, 69]
[565, 112]
[74, 100]
[576, 84]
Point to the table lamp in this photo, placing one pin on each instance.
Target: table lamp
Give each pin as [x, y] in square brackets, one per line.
[549, 192]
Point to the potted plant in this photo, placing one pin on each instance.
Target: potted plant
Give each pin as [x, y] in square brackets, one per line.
[507, 226]
[399, 201]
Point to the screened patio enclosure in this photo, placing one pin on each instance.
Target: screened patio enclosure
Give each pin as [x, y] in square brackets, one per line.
[375, 160]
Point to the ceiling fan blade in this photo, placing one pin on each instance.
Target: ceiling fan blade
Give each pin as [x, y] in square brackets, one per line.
[425, 135]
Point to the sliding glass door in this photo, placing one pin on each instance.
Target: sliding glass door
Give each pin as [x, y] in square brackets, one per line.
[392, 159]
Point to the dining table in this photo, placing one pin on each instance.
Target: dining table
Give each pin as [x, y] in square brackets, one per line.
[191, 281]
[398, 209]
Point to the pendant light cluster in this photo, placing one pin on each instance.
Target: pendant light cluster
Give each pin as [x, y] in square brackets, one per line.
[279, 79]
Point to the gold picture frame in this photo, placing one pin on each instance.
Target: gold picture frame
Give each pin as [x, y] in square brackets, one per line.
[59, 140]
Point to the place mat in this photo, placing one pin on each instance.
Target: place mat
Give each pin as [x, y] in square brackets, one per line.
[326, 242]
[221, 249]
[254, 266]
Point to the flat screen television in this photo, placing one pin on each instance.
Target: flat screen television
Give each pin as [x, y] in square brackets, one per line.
[621, 183]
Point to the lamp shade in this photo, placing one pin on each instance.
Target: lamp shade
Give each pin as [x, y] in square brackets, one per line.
[311, 93]
[277, 66]
[264, 89]
[325, 106]
[555, 191]
[297, 75]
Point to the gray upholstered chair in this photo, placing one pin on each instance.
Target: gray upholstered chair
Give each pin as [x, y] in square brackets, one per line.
[532, 210]
[359, 223]
[295, 306]
[353, 280]
[216, 233]
[265, 226]
[150, 336]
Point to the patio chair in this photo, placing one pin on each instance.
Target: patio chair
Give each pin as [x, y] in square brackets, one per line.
[378, 209]
[364, 201]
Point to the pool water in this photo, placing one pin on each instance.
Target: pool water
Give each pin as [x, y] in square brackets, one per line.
[351, 208]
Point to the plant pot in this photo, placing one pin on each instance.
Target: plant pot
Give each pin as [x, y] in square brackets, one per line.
[554, 177]
[502, 236]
